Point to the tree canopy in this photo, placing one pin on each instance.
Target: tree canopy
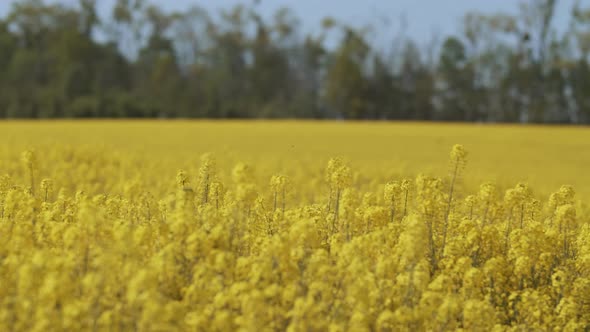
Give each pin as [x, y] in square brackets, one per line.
[67, 60]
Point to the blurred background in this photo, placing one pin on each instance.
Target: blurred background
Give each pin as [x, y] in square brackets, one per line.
[462, 60]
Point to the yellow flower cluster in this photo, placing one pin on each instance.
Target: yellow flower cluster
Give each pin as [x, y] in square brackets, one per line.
[90, 244]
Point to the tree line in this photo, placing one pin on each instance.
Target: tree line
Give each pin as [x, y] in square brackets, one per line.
[59, 60]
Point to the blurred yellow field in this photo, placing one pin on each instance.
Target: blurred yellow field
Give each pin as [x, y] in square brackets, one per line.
[545, 157]
[293, 226]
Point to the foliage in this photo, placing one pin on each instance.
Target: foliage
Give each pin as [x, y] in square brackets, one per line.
[73, 59]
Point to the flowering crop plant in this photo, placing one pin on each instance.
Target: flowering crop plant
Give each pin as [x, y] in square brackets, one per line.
[193, 231]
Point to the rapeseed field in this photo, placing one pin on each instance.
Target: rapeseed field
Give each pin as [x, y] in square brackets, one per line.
[293, 226]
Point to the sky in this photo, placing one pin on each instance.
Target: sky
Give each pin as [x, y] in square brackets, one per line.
[425, 18]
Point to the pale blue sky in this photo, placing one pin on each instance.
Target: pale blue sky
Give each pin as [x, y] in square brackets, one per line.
[424, 17]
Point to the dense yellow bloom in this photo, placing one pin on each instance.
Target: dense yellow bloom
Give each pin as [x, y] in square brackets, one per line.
[112, 241]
